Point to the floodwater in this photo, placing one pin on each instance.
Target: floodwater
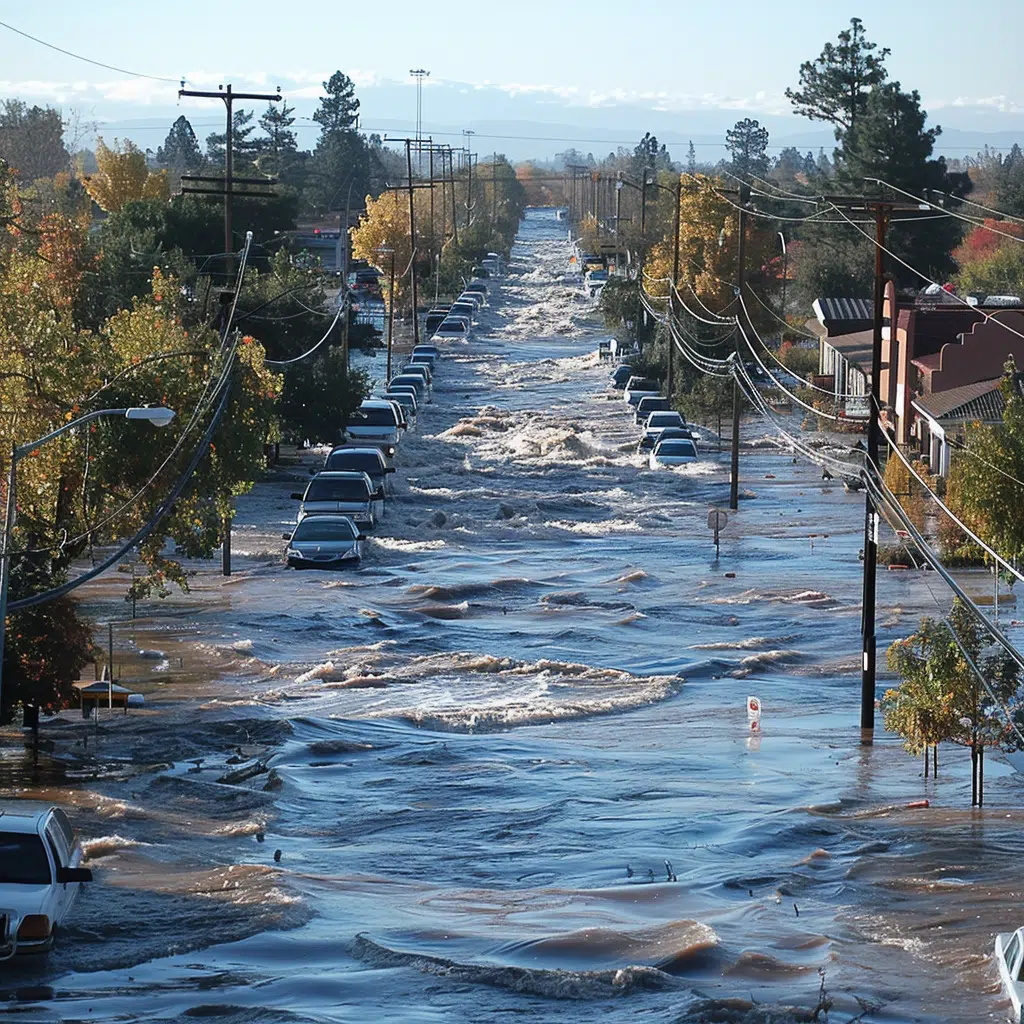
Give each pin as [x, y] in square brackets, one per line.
[506, 763]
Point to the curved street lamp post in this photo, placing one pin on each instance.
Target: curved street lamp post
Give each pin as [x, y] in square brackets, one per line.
[158, 416]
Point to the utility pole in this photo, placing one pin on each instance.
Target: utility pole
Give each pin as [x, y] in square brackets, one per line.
[741, 258]
[419, 74]
[468, 133]
[227, 190]
[433, 234]
[867, 679]
[228, 97]
[678, 197]
[412, 246]
[494, 188]
[455, 211]
[391, 305]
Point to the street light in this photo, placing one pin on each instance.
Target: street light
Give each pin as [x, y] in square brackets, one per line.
[385, 251]
[157, 415]
[785, 272]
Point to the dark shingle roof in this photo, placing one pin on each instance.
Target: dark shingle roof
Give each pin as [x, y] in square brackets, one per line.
[980, 401]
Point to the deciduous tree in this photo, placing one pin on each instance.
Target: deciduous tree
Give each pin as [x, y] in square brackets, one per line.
[123, 177]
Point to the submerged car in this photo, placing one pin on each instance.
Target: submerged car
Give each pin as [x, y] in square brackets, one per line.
[452, 327]
[40, 876]
[640, 387]
[653, 403]
[323, 541]
[1010, 957]
[421, 368]
[649, 440]
[370, 461]
[674, 452]
[406, 399]
[620, 376]
[414, 379]
[342, 492]
[377, 422]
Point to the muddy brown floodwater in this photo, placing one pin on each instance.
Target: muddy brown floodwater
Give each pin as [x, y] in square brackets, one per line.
[505, 764]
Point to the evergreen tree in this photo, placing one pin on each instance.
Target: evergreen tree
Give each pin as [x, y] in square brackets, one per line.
[691, 159]
[747, 143]
[243, 148]
[1010, 188]
[339, 108]
[890, 142]
[180, 151]
[31, 140]
[276, 122]
[835, 86]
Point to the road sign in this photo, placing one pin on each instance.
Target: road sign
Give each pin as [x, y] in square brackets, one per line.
[754, 713]
[716, 521]
[857, 407]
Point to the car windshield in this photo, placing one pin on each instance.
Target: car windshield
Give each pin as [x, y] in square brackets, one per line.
[642, 384]
[23, 860]
[343, 489]
[676, 448]
[452, 327]
[411, 379]
[403, 398]
[359, 462]
[374, 416]
[665, 419]
[314, 528]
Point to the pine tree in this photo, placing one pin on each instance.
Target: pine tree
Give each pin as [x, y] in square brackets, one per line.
[747, 142]
[691, 159]
[31, 140]
[276, 122]
[835, 86]
[180, 151]
[243, 148]
[339, 108]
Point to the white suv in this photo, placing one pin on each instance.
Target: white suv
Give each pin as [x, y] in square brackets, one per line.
[40, 875]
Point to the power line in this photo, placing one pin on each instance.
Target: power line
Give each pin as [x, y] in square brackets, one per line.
[88, 60]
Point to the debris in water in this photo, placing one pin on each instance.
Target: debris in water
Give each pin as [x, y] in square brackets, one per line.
[277, 857]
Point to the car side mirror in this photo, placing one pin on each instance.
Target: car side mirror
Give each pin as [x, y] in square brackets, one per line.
[360, 536]
[378, 495]
[74, 875]
[296, 496]
[286, 536]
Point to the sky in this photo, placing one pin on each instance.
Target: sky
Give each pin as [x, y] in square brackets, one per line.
[525, 75]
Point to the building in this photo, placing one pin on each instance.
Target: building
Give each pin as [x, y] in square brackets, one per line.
[942, 417]
[941, 362]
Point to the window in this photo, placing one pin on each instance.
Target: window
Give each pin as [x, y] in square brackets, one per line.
[23, 859]
[354, 489]
[359, 462]
[374, 416]
[314, 528]
[677, 448]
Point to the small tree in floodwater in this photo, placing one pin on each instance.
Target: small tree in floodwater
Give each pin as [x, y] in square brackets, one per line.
[942, 698]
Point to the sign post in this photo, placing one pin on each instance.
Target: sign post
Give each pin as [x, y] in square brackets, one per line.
[717, 520]
[754, 713]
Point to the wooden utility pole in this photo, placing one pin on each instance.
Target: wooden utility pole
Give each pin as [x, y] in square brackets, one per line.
[741, 273]
[412, 246]
[469, 133]
[228, 97]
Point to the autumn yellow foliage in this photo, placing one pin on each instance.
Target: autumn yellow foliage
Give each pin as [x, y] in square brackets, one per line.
[123, 176]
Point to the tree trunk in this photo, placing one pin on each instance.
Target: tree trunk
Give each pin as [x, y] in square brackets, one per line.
[981, 776]
[974, 775]
[926, 760]
[935, 761]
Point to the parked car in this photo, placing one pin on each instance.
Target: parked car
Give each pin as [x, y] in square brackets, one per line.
[649, 440]
[639, 387]
[661, 419]
[342, 492]
[463, 308]
[323, 541]
[370, 461]
[594, 281]
[427, 350]
[451, 327]
[674, 452]
[620, 376]
[376, 421]
[1010, 958]
[40, 876]
[478, 284]
[434, 318]
[406, 399]
[411, 378]
[646, 406]
[478, 295]
[481, 272]
[421, 368]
